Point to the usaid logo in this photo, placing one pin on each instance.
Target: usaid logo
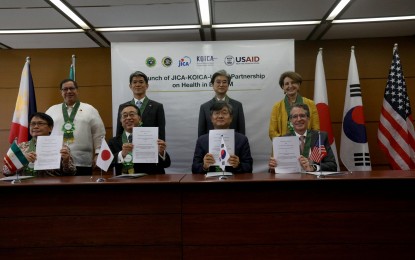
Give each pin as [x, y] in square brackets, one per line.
[185, 61]
[247, 60]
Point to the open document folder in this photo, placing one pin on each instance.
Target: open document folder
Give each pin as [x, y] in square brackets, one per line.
[130, 176]
[324, 173]
[217, 174]
[14, 177]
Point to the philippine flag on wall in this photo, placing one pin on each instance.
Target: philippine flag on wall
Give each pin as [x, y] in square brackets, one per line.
[354, 149]
[223, 155]
[25, 106]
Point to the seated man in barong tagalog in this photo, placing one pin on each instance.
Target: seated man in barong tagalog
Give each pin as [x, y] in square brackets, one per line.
[41, 124]
[300, 117]
[121, 146]
[241, 161]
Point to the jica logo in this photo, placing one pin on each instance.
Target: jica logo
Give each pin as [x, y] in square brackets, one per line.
[185, 61]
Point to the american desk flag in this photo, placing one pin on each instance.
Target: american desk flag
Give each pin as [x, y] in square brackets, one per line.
[354, 148]
[25, 106]
[396, 136]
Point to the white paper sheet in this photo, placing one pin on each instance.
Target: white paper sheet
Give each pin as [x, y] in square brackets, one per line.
[286, 153]
[145, 145]
[48, 155]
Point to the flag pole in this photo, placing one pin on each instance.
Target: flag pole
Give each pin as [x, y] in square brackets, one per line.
[101, 179]
[73, 66]
[17, 180]
[319, 155]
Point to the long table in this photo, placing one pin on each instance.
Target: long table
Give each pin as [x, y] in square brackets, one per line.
[189, 216]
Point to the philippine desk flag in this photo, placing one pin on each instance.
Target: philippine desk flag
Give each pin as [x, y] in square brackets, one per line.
[25, 106]
[105, 156]
[354, 149]
[322, 104]
[15, 159]
[223, 155]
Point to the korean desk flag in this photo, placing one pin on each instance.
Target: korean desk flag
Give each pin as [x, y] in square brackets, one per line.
[105, 156]
[223, 155]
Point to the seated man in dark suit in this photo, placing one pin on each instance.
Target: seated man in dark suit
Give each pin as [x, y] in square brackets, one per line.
[299, 118]
[122, 147]
[220, 82]
[152, 112]
[241, 161]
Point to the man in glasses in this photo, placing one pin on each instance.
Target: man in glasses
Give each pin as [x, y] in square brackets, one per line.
[81, 126]
[122, 147]
[315, 151]
[220, 82]
[221, 116]
[152, 112]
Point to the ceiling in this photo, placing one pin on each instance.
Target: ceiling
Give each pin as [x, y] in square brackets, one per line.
[40, 14]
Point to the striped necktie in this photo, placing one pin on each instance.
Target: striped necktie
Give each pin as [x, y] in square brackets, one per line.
[302, 144]
[139, 103]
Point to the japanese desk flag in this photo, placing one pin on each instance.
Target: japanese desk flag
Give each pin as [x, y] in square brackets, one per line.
[105, 156]
[223, 155]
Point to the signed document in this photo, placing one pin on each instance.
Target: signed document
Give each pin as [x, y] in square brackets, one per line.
[145, 145]
[48, 152]
[215, 137]
[286, 153]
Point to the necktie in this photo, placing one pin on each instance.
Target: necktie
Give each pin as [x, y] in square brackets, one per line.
[130, 138]
[302, 143]
[139, 103]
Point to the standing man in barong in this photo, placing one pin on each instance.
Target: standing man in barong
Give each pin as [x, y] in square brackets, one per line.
[152, 112]
[81, 126]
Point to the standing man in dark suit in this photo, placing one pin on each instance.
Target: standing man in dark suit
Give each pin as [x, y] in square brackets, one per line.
[220, 82]
[152, 112]
[121, 146]
[299, 118]
[241, 161]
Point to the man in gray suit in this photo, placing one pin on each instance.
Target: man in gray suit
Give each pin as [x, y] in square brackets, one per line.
[220, 82]
[322, 159]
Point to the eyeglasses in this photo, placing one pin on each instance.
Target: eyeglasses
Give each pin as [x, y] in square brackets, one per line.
[301, 116]
[131, 114]
[223, 113]
[218, 82]
[68, 89]
[40, 124]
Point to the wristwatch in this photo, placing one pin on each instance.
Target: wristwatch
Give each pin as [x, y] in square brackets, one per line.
[314, 167]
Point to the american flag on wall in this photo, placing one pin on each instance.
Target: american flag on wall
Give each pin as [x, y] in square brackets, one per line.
[396, 136]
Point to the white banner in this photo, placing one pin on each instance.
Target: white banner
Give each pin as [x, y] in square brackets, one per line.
[179, 75]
